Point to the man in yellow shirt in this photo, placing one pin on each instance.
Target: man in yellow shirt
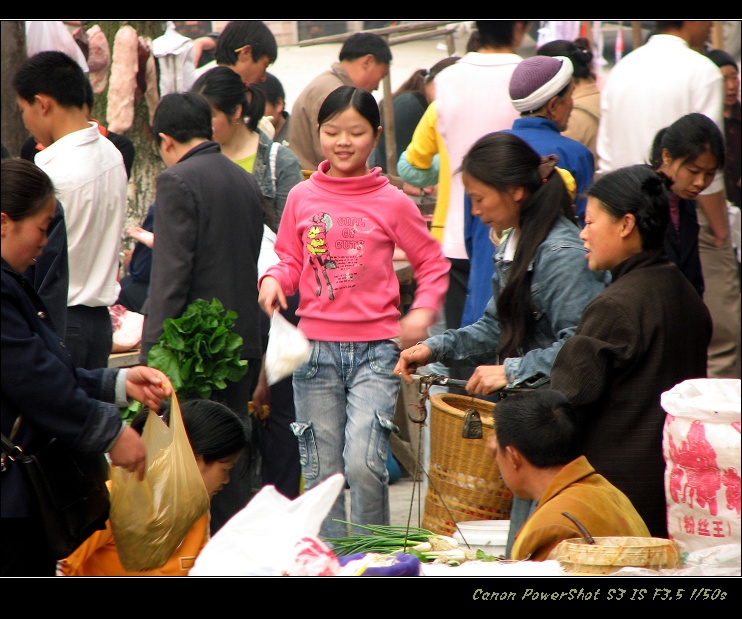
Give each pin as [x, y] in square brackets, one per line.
[535, 444]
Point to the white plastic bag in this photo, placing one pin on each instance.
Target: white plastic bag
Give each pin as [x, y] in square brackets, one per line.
[735, 229]
[287, 349]
[52, 35]
[701, 447]
[262, 538]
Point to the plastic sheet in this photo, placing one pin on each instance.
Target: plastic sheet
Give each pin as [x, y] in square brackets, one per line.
[263, 538]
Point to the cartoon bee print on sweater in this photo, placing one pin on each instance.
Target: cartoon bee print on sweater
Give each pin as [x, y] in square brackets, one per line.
[319, 258]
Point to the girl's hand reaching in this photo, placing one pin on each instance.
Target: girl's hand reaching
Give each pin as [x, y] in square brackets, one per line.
[414, 326]
[271, 297]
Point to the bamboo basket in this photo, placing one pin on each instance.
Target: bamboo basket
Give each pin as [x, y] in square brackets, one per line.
[610, 554]
[464, 482]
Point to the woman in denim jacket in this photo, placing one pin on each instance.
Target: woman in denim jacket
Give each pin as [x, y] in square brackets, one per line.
[541, 281]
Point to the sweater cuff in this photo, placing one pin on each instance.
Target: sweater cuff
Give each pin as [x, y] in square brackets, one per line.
[120, 392]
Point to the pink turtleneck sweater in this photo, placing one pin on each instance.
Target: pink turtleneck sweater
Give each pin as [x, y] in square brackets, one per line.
[336, 241]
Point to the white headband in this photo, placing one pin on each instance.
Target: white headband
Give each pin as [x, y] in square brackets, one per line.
[554, 86]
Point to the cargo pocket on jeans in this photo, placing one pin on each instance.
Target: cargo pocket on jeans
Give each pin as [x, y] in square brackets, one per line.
[378, 446]
[307, 449]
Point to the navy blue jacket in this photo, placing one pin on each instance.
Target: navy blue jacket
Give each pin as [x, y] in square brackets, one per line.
[683, 249]
[141, 258]
[50, 274]
[40, 383]
[543, 136]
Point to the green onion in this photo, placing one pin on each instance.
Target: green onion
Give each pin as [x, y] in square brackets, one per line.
[381, 539]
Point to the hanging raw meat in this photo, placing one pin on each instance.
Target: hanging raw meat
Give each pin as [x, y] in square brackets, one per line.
[120, 114]
[99, 58]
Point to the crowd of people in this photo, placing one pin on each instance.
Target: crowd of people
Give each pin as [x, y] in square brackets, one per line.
[566, 254]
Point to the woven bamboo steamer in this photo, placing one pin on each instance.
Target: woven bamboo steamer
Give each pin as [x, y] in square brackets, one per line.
[464, 481]
[610, 554]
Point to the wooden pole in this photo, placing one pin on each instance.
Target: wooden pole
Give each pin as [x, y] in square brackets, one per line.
[413, 26]
[450, 43]
[587, 31]
[717, 35]
[390, 135]
[636, 30]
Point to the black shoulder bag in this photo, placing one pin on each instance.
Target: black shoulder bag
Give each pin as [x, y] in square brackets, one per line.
[70, 488]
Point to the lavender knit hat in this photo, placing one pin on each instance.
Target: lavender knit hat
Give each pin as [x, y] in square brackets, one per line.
[538, 79]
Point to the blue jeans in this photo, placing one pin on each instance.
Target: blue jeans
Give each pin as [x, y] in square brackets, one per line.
[519, 513]
[345, 398]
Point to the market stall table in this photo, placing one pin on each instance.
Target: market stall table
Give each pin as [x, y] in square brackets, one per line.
[126, 359]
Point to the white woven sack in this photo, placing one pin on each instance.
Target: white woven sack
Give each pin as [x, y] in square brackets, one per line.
[701, 447]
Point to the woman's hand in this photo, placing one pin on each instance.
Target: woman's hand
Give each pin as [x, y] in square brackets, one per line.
[126, 256]
[201, 44]
[271, 296]
[148, 386]
[129, 453]
[143, 236]
[262, 394]
[487, 379]
[419, 192]
[410, 359]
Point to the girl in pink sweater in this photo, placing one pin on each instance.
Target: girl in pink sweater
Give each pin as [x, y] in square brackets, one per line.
[337, 237]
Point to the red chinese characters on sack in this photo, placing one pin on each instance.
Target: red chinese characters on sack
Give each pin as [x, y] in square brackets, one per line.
[695, 462]
[731, 481]
[704, 528]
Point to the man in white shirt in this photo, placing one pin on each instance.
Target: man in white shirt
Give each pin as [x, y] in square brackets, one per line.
[647, 90]
[89, 174]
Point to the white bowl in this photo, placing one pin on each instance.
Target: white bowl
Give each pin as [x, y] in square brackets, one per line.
[490, 536]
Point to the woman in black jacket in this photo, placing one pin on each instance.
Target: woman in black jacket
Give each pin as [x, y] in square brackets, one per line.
[689, 153]
[645, 333]
[43, 396]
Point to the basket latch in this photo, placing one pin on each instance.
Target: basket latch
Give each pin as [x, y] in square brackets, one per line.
[472, 425]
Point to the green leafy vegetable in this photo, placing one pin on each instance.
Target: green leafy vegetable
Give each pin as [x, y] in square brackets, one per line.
[483, 556]
[198, 352]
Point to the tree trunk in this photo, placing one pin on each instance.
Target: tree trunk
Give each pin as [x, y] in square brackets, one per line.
[12, 55]
[147, 163]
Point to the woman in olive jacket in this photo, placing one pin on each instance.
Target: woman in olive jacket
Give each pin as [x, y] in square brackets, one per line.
[646, 332]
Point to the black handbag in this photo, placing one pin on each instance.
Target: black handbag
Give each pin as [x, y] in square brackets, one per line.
[71, 491]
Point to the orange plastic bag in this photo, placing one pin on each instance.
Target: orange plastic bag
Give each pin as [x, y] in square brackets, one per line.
[150, 518]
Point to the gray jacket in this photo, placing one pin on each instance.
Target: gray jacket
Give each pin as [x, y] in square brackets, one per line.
[209, 223]
[561, 286]
[287, 174]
